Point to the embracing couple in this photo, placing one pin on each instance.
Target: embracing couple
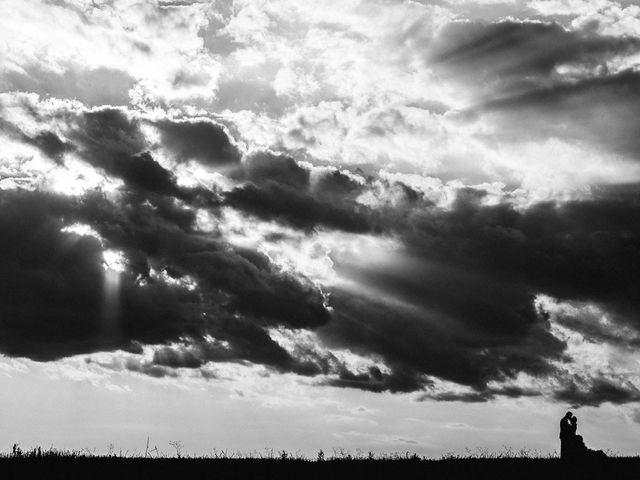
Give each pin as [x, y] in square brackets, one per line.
[571, 445]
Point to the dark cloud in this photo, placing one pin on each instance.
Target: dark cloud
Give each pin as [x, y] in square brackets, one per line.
[111, 139]
[53, 286]
[457, 302]
[276, 202]
[277, 188]
[454, 302]
[246, 342]
[246, 281]
[241, 340]
[372, 380]
[597, 390]
[258, 290]
[334, 184]
[47, 141]
[201, 140]
[108, 132]
[143, 172]
[151, 369]
[516, 56]
[577, 250]
[417, 344]
[264, 167]
[480, 396]
[601, 110]
[51, 145]
[114, 128]
[239, 293]
[535, 80]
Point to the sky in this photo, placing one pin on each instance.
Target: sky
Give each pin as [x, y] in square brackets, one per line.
[370, 225]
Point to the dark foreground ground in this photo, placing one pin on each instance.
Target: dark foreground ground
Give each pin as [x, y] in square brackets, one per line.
[194, 468]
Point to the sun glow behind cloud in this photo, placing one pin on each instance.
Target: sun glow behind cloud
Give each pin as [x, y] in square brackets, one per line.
[114, 261]
[82, 229]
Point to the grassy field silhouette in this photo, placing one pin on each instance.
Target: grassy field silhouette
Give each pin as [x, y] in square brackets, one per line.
[80, 464]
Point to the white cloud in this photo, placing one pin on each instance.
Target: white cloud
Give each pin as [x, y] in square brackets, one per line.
[146, 41]
[612, 19]
[569, 7]
[591, 358]
[348, 82]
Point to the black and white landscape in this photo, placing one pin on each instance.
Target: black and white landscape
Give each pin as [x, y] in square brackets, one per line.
[370, 225]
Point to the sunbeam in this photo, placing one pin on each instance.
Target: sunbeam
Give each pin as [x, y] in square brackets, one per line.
[114, 264]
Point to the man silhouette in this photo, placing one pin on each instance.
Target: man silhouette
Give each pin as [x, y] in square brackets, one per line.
[566, 435]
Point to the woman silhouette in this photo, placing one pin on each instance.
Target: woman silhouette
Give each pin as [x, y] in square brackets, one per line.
[573, 443]
[577, 448]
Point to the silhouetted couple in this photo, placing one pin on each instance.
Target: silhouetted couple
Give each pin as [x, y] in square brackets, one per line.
[572, 446]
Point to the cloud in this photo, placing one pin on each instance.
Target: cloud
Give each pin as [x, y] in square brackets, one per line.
[273, 201]
[64, 272]
[601, 111]
[144, 172]
[46, 141]
[328, 108]
[148, 225]
[418, 345]
[262, 167]
[253, 95]
[111, 130]
[97, 51]
[237, 340]
[50, 144]
[111, 139]
[514, 56]
[215, 39]
[457, 301]
[76, 313]
[100, 86]
[594, 325]
[532, 81]
[277, 188]
[200, 140]
[243, 280]
[573, 250]
[596, 390]
[480, 396]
